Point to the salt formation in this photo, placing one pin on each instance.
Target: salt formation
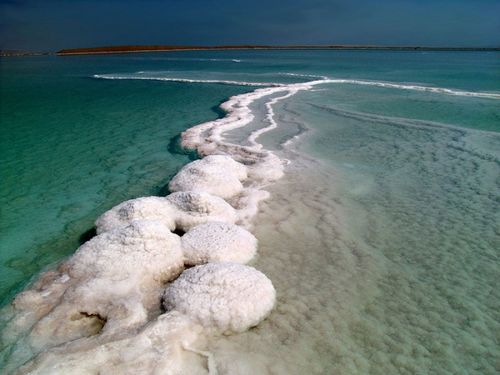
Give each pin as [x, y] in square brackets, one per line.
[194, 208]
[218, 241]
[164, 346]
[111, 284]
[146, 250]
[215, 174]
[178, 211]
[100, 311]
[146, 208]
[227, 297]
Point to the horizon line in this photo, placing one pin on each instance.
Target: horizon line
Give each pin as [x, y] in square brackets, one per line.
[133, 48]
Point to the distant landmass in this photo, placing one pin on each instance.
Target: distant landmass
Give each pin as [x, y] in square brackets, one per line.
[13, 52]
[167, 48]
[162, 48]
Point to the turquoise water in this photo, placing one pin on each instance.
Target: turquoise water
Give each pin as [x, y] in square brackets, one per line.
[423, 199]
[384, 253]
[72, 147]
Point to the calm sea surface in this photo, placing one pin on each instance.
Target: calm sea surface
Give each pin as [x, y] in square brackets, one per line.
[385, 255]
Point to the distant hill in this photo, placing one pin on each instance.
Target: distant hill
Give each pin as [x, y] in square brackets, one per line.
[163, 48]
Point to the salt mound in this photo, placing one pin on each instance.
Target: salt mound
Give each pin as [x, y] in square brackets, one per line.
[115, 280]
[194, 208]
[227, 163]
[163, 346]
[145, 249]
[228, 297]
[216, 174]
[147, 208]
[181, 210]
[217, 241]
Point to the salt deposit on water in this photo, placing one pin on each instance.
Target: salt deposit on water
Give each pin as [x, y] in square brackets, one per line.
[108, 309]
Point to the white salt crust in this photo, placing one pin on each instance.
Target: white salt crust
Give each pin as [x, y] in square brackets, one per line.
[226, 297]
[145, 250]
[164, 346]
[194, 208]
[218, 241]
[145, 208]
[215, 174]
[181, 210]
[207, 138]
[109, 285]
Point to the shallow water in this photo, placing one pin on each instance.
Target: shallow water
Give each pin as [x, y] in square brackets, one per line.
[72, 147]
[382, 238]
[384, 253]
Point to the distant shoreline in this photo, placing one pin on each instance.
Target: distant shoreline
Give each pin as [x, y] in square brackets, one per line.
[146, 49]
[108, 50]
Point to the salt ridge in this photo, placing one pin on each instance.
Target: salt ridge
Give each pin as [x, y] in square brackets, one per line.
[73, 309]
[319, 80]
[185, 80]
[436, 90]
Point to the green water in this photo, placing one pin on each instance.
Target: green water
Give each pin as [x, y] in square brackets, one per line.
[72, 147]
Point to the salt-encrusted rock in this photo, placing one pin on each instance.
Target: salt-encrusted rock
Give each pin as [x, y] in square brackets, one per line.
[194, 208]
[215, 174]
[227, 297]
[146, 208]
[218, 242]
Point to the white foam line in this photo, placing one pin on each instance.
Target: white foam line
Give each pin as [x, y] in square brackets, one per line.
[303, 75]
[290, 141]
[319, 80]
[437, 90]
[186, 80]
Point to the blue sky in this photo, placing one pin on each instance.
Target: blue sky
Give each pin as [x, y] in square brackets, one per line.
[56, 24]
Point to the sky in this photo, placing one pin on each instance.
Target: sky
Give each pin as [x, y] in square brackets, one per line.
[50, 25]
